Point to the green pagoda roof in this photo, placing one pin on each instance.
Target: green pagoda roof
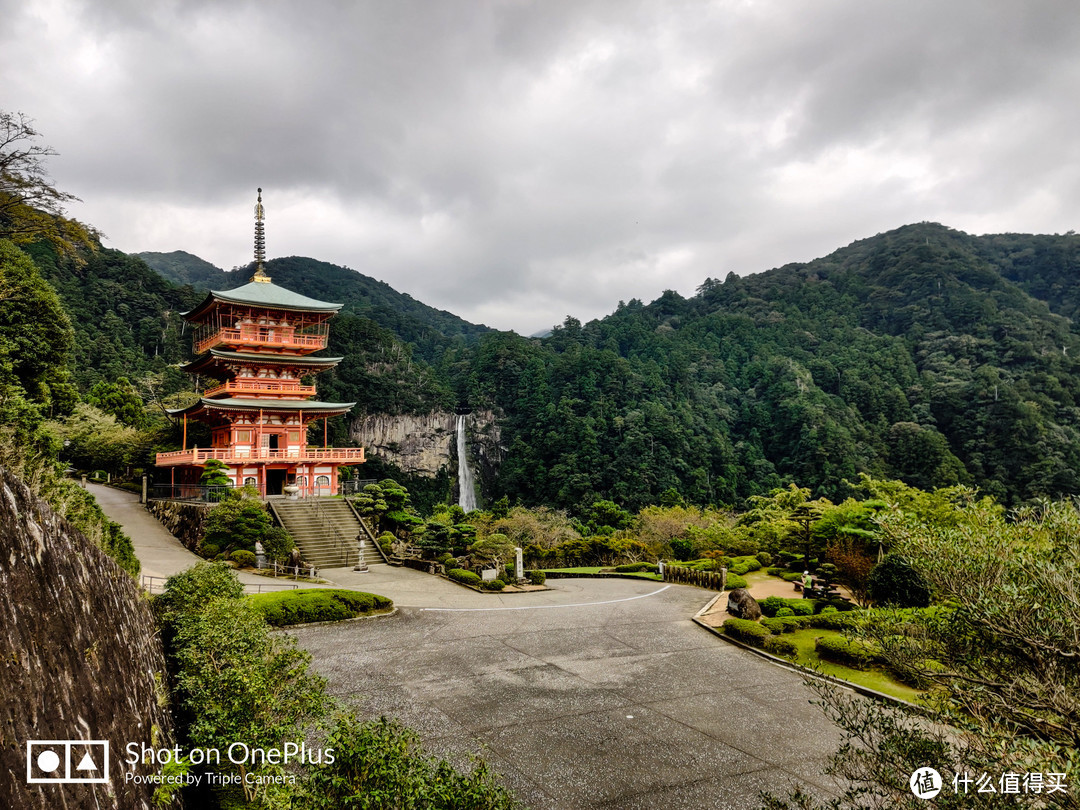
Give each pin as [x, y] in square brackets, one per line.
[220, 357]
[264, 294]
[267, 404]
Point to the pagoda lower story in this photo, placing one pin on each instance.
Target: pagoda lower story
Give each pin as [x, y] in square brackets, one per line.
[263, 444]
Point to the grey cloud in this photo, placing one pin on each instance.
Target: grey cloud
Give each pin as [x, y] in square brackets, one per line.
[538, 159]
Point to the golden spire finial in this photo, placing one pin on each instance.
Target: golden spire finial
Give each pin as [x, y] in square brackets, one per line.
[260, 243]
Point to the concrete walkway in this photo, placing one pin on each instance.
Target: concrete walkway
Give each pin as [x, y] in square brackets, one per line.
[162, 555]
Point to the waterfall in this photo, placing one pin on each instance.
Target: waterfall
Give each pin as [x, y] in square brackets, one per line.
[466, 489]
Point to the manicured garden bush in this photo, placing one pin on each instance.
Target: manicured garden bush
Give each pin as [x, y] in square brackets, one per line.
[831, 619]
[734, 581]
[785, 611]
[209, 550]
[744, 565]
[747, 631]
[494, 585]
[850, 652]
[465, 577]
[765, 558]
[786, 624]
[305, 605]
[245, 559]
[783, 647]
[770, 605]
[791, 576]
[537, 577]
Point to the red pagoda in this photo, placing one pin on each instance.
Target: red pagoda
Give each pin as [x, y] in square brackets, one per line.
[257, 340]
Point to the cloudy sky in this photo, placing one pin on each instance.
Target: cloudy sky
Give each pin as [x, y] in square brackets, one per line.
[517, 162]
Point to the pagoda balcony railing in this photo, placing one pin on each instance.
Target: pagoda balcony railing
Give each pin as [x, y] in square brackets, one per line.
[262, 455]
[256, 387]
[259, 336]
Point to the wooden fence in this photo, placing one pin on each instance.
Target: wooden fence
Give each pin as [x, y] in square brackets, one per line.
[715, 580]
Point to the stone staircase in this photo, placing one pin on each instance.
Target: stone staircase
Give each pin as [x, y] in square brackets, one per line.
[325, 531]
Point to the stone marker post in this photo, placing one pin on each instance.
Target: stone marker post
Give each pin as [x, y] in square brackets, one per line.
[144, 485]
[519, 565]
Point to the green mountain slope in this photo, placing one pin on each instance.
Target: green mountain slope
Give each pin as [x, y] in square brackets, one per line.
[430, 330]
[908, 355]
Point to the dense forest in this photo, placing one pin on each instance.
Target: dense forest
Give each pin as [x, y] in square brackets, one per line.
[909, 355]
[923, 354]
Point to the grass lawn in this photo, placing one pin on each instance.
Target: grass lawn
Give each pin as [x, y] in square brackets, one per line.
[874, 678]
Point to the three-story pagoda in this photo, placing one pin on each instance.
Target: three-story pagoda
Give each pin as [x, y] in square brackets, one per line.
[257, 341]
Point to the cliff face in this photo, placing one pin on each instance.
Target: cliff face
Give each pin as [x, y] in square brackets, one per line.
[80, 659]
[422, 445]
[419, 445]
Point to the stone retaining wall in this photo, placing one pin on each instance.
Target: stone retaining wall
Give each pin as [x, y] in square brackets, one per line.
[80, 659]
[184, 520]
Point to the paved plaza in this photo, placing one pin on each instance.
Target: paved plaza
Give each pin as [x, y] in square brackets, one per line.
[596, 693]
[603, 695]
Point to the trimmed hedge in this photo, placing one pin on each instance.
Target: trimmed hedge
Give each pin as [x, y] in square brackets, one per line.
[783, 647]
[787, 624]
[831, 620]
[799, 607]
[494, 585]
[850, 652]
[465, 577]
[245, 559]
[306, 605]
[747, 631]
[537, 577]
[734, 581]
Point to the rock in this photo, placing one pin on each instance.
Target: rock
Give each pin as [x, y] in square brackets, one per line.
[742, 604]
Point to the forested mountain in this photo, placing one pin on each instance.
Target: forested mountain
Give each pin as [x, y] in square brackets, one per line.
[923, 354]
[429, 330]
[906, 355]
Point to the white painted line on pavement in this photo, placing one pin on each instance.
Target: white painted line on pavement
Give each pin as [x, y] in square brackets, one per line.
[545, 607]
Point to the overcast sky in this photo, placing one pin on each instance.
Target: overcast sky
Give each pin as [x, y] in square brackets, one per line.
[518, 162]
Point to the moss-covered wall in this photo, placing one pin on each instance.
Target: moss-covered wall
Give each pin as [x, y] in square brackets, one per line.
[80, 657]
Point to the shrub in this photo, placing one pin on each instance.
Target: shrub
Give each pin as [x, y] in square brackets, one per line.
[537, 577]
[783, 647]
[786, 624]
[791, 576]
[770, 605]
[894, 582]
[785, 611]
[381, 763]
[734, 581]
[465, 577]
[209, 550]
[765, 558]
[245, 559]
[749, 562]
[831, 619]
[451, 565]
[747, 631]
[306, 605]
[850, 652]
[776, 572]
[494, 585]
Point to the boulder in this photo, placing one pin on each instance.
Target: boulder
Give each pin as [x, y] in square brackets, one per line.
[743, 605]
